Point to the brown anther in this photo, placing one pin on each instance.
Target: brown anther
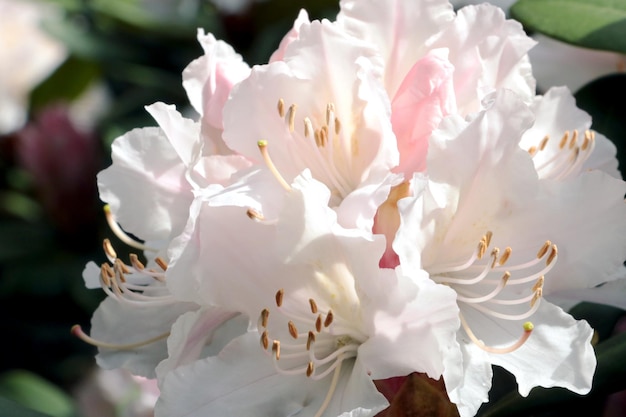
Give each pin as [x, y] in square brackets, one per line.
[276, 349]
[134, 261]
[536, 297]
[544, 249]
[552, 255]
[293, 330]
[313, 305]
[532, 150]
[337, 126]
[538, 284]
[121, 266]
[505, 256]
[544, 142]
[265, 315]
[329, 318]
[254, 215]
[316, 135]
[323, 136]
[564, 140]
[586, 142]
[309, 369]
[281, 107]
[310, 340]
[279, 297]
[105, 274]
[265, 340]
[505, 277]
[318, 323]
[291, 114]
[162, 264]
[482, 248]
[574, 140]
[108, 248]
[494, 257]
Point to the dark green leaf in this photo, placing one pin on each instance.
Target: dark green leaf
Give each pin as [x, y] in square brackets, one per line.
[13, 409]
[596, 24]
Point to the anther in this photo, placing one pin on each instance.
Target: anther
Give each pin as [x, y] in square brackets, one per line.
[538, 284]
[291, 114]
[281, 107]
[323, 136]
[265, 340]
[544, 249]
[488, 237]
[134, 261]
[564, 140]
[494, 256]
[106, 274]
[310, 368]
[279, 297]
[313, 305]
[482, 248]
[293, 330]
[310, 340]
[544, 142]
[536, 297]
[108, 248]
[254, 215]
[505, 277]
[308, 127]
[574, 140]
[162, 264]
[276, 349]
[318, 323]
[505, 256]
[532, 150]
[552, 255]
[265, 314]
[337, 126]
[330, 111]
[329, 318]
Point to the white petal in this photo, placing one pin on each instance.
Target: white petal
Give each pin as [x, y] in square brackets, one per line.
[241, 381]
[147, 172]
[121, 323]
[279, 54]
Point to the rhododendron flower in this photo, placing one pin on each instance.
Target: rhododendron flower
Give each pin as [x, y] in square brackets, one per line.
[329, 322]
[489, 229]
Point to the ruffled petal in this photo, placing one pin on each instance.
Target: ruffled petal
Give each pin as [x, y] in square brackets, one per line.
[279, 54]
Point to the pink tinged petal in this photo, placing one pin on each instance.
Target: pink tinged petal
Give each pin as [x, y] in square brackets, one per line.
[209, 79]
[121, 323]
[390, 26]
[279, 54]
[488, 53]
[557, 354]
[218, 169]
[414, 322]
[557, 63]
[242, 381]
[201, 333]
[425, 96]
[147, 171]
[344, 87]
[183, 134]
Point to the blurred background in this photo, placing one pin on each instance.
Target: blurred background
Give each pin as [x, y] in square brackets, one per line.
[74, 75]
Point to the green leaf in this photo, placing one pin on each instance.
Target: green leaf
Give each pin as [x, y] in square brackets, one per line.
[32, 391]
[13, 409]
[595, 24]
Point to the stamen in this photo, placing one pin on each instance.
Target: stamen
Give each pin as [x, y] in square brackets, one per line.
[329, 318]
[108, 250]
[528, 328]
[574, 140]
[276, 349]
[313, 306]
[544, 249]
[78, 332]
[279, 297]
[331, 389]
[318, 323]
[122, 235]
[281, 107]
[308, 127]
[134, 261]
[505, 256]
[291, 115]
[162, 264]
[310, 368]
[544, 142]
[310, 340]
[337, 126]
[330, 113]
[265, 340]
[265, 314]
[262, 144]
[293, 330]
[552, 255]
[564, 140]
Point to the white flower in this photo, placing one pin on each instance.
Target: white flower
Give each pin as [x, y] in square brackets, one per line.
[27, 56]
[485, 225]
[329, 321]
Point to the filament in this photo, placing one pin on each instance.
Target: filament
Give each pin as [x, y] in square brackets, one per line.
[78, 332]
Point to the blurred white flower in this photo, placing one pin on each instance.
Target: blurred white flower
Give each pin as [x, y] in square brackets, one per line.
[27, 56]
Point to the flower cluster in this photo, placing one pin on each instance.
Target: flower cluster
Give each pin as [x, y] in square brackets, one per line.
[386, 196]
